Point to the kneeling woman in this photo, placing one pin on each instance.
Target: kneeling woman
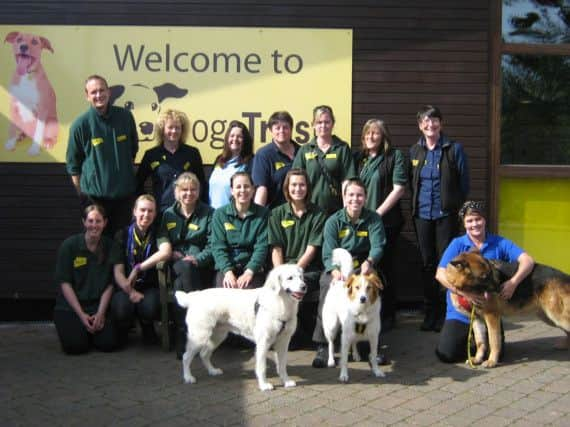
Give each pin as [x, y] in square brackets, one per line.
[135, 272]
[239, 237]
[186, 226]
[452, 345]
[84, 276]
[295, 236]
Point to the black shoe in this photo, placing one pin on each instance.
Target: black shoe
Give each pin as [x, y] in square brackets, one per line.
[428, 322]
[438, 324]
[322, 357]
[149, 336]
[382, 359]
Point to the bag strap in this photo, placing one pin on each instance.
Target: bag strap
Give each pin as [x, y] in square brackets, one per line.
[326, 173]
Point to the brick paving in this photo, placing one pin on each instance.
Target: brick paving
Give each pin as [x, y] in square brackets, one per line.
[142, 386]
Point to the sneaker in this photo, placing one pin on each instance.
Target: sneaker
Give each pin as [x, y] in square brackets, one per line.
[322, 357]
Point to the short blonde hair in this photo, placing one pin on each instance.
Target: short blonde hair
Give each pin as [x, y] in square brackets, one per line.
[186, 178]
[171, 114]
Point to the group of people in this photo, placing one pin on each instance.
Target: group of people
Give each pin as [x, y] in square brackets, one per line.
[285, 204]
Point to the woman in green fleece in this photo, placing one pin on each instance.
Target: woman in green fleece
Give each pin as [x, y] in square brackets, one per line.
[239, 237]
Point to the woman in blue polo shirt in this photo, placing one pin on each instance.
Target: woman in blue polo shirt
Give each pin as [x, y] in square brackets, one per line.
[452, 345]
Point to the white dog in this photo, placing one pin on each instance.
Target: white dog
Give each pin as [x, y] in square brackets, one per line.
[267, 316]
[354, 305]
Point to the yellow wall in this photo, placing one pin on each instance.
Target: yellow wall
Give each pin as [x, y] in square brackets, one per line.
[535, 214]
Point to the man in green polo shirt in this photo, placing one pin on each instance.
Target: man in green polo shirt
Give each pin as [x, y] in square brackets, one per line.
[102, 146]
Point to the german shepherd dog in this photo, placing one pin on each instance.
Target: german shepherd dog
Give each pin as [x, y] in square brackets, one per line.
[545, 291]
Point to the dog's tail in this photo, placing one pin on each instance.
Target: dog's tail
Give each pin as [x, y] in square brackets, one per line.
[343, 259]
[182, 298]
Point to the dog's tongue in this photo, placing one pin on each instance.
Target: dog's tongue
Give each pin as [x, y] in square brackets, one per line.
[23, 62]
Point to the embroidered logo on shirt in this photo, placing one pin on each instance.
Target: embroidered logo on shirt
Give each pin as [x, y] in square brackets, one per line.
[96, 141]
[121, 138]
[170, 225]
[186, 166]
[229, 226]
[279, 165]
[310, 156]
[193, 227]
[415, 162]
[79, 261]
[343, 233]
[286, 223]
[330, 156]
[362, 233]
[154, 165]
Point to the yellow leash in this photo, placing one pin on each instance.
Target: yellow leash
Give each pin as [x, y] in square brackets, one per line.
[469, 336]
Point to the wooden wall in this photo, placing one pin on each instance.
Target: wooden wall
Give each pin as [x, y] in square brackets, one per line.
[406, 53]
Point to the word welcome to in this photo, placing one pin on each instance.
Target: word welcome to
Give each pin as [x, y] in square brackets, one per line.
[133, 58]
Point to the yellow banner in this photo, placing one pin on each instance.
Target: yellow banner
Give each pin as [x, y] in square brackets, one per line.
[214, 75]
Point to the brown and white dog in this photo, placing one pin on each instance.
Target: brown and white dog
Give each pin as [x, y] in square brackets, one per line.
[33, 110]
[354, 305]
[544, 292]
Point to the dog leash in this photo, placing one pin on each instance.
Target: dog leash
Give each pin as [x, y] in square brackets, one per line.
[472, 317]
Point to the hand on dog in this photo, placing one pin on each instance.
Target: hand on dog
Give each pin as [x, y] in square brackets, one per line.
[230, 280]
[507, 289]
[337, 275]
[245, 279]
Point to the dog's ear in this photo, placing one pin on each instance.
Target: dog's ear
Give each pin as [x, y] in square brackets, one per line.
[169, 90]
[11, 37]
[46, 44]
[375, 280]
[116, 92]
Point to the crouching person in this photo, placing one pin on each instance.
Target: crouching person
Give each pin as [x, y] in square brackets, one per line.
[137, 295]
[84, 276]
[185, 226]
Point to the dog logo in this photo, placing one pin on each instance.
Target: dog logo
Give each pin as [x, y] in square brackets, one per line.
[33, 112]
[144, 102]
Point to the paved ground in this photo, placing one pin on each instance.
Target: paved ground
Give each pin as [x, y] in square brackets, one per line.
[142, 386]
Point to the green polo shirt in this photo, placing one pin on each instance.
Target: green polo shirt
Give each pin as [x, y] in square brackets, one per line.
[364, 239]
[294, 234]
[239, 242]
[338, 162]
[370, 175]
[84, 270]
[102, 148]
[188, 235]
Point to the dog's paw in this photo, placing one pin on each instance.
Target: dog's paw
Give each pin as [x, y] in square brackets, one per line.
[289, 383]
[343, 377]
[10, 144]
[215, 372]
[489, 363]
[378, 373]
[34, 150]
[330, 362]
[265, 386]
[190, 379]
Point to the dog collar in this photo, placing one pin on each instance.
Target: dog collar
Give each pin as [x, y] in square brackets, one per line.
[256, 306]
[359, 328]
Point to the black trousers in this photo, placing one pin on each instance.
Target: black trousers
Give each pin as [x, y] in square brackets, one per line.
[76, 339]
[124, 311]
[433, 238]
[452, 345]
[386, 265]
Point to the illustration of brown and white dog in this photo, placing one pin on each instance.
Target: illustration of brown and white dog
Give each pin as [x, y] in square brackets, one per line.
[33, 110]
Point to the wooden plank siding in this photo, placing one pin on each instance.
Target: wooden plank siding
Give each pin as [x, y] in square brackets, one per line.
[406, 53]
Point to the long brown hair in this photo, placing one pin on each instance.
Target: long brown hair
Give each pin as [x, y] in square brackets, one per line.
[246, 149]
